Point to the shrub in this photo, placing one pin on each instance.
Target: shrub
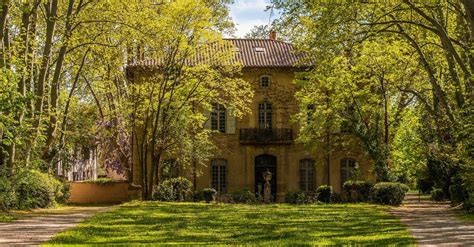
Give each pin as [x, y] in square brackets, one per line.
[8, 198]
[324, 193]
[389, 193]
[438, 194]
[28, 189]
[175, 189]
[361, 188]
[209, 194]
[296, 198]
[35, 189]
[164, 192]
[458, 193]
[244, 196]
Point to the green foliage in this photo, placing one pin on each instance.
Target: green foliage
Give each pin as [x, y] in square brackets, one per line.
[438, 195]
[197, 223]
[297, 198]
[8, 198]
[244, 196]
[100, 181]
[29, 189]
[324, 193]
[209, 194]
[175, 189]
[389, 193]
[358, 190]
[164, 192]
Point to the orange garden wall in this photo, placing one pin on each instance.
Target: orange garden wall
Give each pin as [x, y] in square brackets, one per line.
[113, 192]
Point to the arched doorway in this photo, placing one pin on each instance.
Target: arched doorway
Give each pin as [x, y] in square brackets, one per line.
[262, 163]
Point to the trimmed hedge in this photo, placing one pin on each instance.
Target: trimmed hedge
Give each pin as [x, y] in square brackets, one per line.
[389, 193]
[324, 193]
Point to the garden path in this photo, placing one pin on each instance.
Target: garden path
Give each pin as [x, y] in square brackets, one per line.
[41, 226]
[433, 223]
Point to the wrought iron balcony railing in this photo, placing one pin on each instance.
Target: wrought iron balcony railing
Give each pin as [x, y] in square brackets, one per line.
[266, 136]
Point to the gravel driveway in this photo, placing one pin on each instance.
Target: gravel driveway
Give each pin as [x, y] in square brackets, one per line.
[34, 230]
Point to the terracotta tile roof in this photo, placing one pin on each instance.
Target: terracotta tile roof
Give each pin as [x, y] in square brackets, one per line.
[265, 53]
[250, 53]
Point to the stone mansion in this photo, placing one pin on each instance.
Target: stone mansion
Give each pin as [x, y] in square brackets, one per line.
[265, 138]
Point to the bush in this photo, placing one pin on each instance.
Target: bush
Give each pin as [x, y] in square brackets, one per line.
[175, 189]
[164, 192]
[324, 193]
[8, 198]
[209, 194]
[389, 193]
[438, 194]
[244, 196]
[296, 198]
[361, 188]
[28, 189]
[458, 193]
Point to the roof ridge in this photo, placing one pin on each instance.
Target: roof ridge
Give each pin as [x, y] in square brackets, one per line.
[259, 39]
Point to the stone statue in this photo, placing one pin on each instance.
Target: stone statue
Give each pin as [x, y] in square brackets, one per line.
[267, 188]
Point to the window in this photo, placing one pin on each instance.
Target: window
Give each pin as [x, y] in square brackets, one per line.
[309, 113]
[307, 175]
[218, 118]
[264, 81]
[265, 115]
[169, 169]
[219, 175]
[348, 169]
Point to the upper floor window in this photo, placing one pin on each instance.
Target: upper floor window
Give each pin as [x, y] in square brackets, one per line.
[218, 116]
[219, 175]
[265, 115]
[348, 170]
[265, 81]
[307, 175]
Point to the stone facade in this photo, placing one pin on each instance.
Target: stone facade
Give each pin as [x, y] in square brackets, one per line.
[241, 156]
[247, 149]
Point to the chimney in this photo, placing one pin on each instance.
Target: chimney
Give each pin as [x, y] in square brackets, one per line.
[273, 35]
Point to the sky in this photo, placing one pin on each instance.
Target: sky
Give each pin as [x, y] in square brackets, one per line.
[247, 13]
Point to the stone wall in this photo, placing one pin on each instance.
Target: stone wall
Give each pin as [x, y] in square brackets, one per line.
[112, 192]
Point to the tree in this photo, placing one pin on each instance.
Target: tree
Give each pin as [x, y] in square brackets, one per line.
[438, 34]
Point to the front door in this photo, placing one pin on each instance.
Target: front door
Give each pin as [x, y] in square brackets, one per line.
[262, 163]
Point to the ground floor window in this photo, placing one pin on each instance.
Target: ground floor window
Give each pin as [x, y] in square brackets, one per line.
[348, 169]
[219, 175]
[307, 175]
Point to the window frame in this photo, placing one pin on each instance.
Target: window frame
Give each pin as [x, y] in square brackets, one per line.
[346, 166]
[307, 175]
[265, 115]
[219, 175]
[219, 118]
[268, 83]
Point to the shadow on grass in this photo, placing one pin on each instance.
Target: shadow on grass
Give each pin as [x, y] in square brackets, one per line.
[191, 223]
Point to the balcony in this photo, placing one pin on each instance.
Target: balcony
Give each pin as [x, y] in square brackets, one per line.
[266, 136]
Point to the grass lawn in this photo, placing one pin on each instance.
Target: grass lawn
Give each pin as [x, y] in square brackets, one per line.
[200, 223]
[6, 217]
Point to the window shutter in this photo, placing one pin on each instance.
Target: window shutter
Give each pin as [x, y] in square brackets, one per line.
[207, 115]
[230, 121]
